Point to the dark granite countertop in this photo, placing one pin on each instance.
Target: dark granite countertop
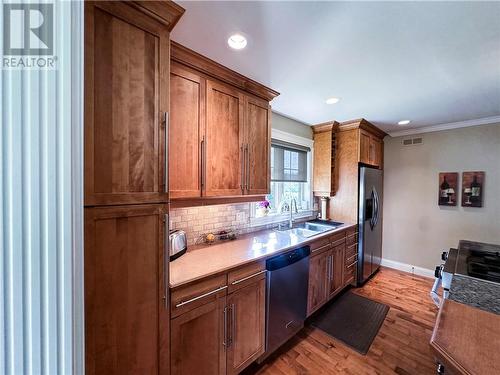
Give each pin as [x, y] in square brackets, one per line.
[484, 295]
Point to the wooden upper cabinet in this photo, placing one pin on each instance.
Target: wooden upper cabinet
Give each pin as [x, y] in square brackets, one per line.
[126, 96]
[126, 320]
[247, 325]
[370, 149]
[220, 128]
[365, 154]
[257, 146]
[377, 151]
[224, 139]
[324, 157]
[186, 132]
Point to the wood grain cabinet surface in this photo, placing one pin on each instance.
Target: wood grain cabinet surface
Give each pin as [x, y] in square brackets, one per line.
[219, 329]
[126, 108]
[225, 140]
[126, 97]
[186, 132]
[126, 320]
[318, 281]
[197, 340]
[327, 270]
[220, 132]
[356, 142]
[324, 160]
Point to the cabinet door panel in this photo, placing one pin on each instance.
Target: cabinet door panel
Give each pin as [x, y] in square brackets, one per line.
[224, 137]
[364, 147]
[376, 151]
[126, 58]
[126, 320]
[247, 325]
[258, 140]
[197, 340]
[187, 115]
[337, 272]
[318, 273]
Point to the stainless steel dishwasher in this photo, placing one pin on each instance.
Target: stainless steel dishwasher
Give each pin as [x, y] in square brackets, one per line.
[287, 283]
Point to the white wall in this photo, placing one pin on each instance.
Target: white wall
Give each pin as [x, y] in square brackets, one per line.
[41, 323]
[288, 125]
[416, 229]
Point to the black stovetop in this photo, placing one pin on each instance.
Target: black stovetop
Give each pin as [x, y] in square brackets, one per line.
[478, 260]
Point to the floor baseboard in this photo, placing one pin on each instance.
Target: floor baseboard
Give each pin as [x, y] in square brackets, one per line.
[407, 268]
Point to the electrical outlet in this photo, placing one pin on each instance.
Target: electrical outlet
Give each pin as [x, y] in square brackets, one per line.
[413, 270]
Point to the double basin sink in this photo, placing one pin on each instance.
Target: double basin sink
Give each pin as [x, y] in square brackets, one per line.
[311, 228]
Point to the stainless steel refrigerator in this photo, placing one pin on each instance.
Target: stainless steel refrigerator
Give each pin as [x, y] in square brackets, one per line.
[369, 222]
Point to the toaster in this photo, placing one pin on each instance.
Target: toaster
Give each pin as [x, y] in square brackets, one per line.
[177, 243]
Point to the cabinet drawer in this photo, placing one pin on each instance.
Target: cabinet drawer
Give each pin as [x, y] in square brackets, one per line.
[351, 260]
[338, 238]
[186, 298]
[350, 274]
[351, 230]
[351, 250]
[320, 245]
[246, 275]
[352, 238]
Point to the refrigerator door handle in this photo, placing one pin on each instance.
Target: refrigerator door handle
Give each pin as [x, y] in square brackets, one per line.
[372, 219]
[377, 206]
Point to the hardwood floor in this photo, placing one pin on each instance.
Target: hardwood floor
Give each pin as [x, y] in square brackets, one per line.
[401, 346]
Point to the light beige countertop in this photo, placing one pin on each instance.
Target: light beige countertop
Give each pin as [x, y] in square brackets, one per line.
[204, 260]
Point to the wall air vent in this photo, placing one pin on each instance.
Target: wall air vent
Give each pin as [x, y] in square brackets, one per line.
[413, 141]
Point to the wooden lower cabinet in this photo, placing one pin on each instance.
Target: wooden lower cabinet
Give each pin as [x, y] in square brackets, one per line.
[247, 308]
[126, 320]
[318, 274]
[197, 340]
[336, 270]
[222, 336]
[327, 270]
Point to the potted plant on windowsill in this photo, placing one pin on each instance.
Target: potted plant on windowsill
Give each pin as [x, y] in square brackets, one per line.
[263, 208]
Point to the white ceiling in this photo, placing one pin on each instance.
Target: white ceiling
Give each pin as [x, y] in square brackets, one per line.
[432, 63]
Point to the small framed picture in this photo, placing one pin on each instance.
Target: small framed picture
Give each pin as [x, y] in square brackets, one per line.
[472, 189]
[448, 185]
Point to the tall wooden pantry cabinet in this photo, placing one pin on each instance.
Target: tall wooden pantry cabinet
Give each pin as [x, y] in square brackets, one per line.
[127, 70]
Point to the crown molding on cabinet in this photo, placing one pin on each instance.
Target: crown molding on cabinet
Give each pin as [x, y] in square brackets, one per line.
[447, 126]
[203, 64]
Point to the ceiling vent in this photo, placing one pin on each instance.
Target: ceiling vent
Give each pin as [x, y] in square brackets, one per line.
[413, 141]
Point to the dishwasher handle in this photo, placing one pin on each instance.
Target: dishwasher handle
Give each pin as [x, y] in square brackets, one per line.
[288, 258]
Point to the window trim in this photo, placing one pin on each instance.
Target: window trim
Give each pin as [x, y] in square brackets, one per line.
[281, 135]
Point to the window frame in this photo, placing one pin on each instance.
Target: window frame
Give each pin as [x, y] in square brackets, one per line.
[300, 141]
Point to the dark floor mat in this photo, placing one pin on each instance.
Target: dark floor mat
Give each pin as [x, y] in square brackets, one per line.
[352, 319]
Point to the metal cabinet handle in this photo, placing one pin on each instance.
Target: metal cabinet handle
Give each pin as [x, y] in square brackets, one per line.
[243, 169]
[203, 161]
[224, 339]
[248, 277]
[166, 258]
[200, 297]
[233, 319]
[330, 257]
[320, 248]
[248, 168]
[166, 123]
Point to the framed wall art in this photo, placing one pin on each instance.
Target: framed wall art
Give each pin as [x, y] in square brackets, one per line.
[472, 189]
[448, 185]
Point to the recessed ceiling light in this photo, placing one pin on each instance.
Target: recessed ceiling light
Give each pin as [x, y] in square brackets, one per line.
[237, 41]
[404, 122]
[332, 100]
